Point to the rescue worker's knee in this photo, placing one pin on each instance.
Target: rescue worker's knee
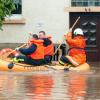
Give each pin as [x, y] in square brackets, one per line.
[47, 59]
[64, 61]
[16, 60]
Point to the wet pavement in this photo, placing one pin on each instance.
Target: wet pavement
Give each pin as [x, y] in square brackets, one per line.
[51, 85]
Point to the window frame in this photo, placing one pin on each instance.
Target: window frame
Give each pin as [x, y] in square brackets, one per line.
[15, 18]
[75, 2]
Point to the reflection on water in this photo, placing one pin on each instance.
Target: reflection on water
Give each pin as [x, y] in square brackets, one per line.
[50, 86]
[77, 86]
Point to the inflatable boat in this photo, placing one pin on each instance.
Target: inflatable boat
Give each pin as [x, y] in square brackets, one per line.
[18, 67]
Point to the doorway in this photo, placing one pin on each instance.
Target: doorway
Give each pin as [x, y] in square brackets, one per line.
[90, 23]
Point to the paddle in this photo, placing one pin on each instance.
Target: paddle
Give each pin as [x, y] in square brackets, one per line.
[58, 67]
[15, 49]
[11, 64]
[30, 34]
[64, 39]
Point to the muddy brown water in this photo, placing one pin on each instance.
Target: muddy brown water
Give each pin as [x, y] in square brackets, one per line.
[51, 85]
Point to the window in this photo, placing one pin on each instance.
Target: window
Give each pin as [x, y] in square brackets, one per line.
[18, 5]
[85, 3]
[17, 17]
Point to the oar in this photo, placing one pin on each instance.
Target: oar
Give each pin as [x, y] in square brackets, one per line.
[58, 67]
[30, 34]
[64, 39]
[11, 64]
[15, 49]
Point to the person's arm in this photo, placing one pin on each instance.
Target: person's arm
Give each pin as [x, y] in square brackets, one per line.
[29, 50]
[69, 39]
[46, 42]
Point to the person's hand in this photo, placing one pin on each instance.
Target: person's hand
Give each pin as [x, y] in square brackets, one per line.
[17, 49]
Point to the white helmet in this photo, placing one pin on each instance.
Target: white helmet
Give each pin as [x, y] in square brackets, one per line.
[78, 31]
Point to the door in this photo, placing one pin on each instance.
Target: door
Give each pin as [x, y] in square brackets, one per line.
[90, 23]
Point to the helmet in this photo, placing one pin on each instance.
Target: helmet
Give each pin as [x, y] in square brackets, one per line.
[78, 31]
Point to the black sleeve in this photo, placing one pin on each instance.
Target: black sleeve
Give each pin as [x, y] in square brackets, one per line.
[29, 50]
[46, 42]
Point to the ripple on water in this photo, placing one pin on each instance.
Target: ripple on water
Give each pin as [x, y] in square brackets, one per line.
[50, 85]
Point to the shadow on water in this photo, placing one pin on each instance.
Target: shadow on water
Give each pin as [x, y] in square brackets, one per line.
[50, 85]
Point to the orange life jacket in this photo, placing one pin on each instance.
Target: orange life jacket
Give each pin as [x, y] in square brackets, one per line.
[77, 46]
[49, 50]
[39, 53]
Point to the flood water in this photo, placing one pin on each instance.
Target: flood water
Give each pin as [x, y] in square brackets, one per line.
[50, 85]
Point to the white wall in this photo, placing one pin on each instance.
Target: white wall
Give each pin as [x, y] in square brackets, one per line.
[47, 15]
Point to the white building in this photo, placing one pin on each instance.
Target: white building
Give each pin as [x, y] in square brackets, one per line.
[36, 15]
[55, 17]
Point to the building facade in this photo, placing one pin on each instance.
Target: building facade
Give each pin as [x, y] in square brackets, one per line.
[34, 16]
[55, 17]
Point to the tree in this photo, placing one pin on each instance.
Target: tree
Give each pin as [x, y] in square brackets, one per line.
[6, 8]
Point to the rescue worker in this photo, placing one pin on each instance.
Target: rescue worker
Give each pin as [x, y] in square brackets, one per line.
[76, 54]
[34, 54]
[48, 47]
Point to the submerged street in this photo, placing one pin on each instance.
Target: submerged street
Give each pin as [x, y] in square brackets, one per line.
[51, 85]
